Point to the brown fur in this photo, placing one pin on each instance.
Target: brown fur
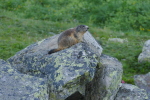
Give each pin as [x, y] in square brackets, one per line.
[70, 37]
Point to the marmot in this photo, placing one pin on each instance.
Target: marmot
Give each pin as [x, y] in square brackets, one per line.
[70, 37]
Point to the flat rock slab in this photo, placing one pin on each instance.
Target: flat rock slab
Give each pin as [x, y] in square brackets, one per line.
[16, 86]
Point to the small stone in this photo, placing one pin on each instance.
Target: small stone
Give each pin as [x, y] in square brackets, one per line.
[131, 92]
[145, 55]
[118, 40]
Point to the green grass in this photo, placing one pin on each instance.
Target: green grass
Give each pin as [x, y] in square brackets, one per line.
[127, 53]
[16, 33]
[23, 22]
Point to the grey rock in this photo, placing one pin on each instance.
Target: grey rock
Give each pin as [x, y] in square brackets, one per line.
[34, 59]
[67, 71]
[93, 44]
[131, 92]
[17, 86]
[143, 82]
[70, 70]
[145, 55]
[119, 40]
[106, 81]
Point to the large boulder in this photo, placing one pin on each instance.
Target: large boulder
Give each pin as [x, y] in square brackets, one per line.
[17, 86]
[131, 92]
[67, 71]
[106, 81]
[35, 60]
[145, 55]
[143, 82]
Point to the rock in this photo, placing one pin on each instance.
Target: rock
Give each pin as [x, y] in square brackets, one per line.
[67, 71]
[70, 70]
[34, 59]
[93, 44]
[106, 81]
[131, 92]
[145, 55]
[17, 86]
[143, 82]
[118, 40]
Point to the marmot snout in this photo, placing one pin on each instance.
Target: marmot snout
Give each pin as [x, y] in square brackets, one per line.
[70, 37]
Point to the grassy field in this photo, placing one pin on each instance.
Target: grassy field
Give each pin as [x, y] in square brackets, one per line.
[23, 22]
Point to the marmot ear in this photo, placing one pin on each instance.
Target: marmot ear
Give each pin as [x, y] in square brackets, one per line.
[77, 28]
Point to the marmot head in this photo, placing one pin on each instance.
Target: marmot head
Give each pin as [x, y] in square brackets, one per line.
[82, 28]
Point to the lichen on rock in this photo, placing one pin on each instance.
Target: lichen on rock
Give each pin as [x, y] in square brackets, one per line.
[17, 86]
[67, 71]
[106, 81]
